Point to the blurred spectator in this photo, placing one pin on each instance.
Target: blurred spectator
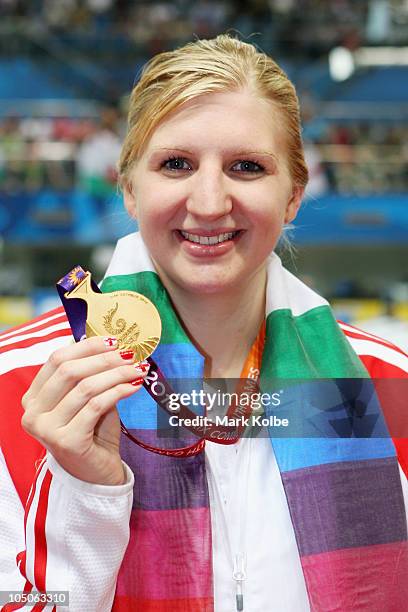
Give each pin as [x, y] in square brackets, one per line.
[367, 157]
[379, 21]
[34, 129]
[99, 6]
[207, 17]
[8, 7]
[2, 166]
[12, 147]
[58, 14]
[345, 158]
[12, 140]
[98, 155]
[306, 27]
[318, 182]
[67, 129]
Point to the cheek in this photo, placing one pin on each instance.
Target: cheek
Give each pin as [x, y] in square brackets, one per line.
[268, 229]
[269, 217]
[152, 211]
[268, 202]
[158, 201]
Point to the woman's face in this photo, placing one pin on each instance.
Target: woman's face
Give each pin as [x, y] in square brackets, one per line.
[212, 191]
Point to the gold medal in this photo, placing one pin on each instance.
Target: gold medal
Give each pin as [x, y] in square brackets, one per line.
[129, 316]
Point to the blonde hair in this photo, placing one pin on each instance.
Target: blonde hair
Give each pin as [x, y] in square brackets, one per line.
[220, 64]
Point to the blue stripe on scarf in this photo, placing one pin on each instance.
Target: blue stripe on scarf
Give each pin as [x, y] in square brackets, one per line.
[179, 360]
[295, 453]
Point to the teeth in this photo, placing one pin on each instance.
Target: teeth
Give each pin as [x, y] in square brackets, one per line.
[208, 240]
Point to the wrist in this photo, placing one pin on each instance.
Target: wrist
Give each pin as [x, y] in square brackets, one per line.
[114, 487]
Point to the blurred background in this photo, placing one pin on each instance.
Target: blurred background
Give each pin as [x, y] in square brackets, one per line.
[66, 69]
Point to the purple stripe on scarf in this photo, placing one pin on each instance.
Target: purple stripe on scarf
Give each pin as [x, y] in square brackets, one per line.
[348, 504]
[165, 483]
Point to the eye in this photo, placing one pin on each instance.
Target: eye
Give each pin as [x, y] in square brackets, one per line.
[247, 166]
[175, 163]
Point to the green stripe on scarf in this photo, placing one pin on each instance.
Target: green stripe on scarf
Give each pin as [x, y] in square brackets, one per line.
[310, 345]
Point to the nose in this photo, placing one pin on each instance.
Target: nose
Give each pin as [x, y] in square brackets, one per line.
[209, 197]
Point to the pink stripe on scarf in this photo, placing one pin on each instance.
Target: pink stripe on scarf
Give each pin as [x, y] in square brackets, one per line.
[180, 570]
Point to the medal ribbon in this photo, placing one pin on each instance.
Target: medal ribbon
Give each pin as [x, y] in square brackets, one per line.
[221, 435]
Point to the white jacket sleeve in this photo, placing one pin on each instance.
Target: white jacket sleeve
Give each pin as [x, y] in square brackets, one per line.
[72, 536]
[11, 531]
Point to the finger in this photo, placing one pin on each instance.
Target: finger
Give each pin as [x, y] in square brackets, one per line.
[91, 388]
[91, 346]
[83, 425]
[72, 373]
[46, 427]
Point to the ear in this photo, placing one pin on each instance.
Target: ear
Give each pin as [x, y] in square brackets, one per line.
[294, 203]
[129, 199]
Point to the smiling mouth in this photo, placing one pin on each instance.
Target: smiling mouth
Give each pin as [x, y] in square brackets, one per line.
[209, 240]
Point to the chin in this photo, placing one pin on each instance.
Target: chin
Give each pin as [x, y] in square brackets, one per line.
[209, 286]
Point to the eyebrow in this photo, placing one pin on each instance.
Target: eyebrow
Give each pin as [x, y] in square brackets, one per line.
[241, 152]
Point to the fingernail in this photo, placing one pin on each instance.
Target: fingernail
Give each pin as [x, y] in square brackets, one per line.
[140, 372]
[143, 366]
[128, 354]
[110, 341]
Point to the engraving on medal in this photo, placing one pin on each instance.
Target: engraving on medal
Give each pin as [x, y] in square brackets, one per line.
[129, 316]
[120, 323]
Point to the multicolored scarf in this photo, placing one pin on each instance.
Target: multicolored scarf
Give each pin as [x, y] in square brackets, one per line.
[344, 493]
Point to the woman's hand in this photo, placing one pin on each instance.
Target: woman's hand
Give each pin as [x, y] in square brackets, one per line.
[71, 407]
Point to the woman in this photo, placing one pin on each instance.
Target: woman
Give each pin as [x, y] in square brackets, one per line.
[212, 168]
